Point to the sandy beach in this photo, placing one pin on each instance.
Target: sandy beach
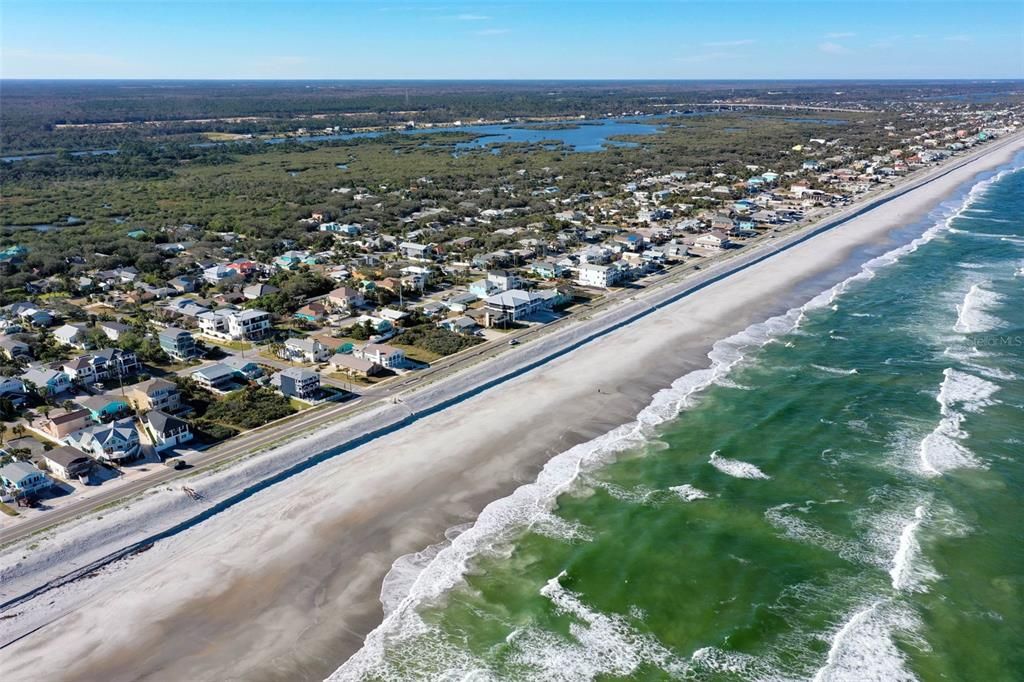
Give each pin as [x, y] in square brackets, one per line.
[285, 585]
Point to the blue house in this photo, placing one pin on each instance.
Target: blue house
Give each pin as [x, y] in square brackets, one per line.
[21, 478]
[104, 408]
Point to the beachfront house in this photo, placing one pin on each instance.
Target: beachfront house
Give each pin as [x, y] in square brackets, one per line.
[167, 431]
[516, 304]
[21, 479]
[349, 364]
[116, 442]
[381, 354]
[715, 240]
[297, 382]
[601, 276]
[68, 463]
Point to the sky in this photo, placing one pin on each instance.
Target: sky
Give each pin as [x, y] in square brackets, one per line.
[512, 39]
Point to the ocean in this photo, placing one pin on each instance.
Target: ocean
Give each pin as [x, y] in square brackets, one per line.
[836, 497]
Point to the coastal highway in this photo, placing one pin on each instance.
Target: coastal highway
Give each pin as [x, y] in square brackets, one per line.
[681, 280]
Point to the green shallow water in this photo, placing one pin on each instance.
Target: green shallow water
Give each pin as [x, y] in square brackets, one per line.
[851, 509]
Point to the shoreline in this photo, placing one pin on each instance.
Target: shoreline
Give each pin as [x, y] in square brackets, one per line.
[252, 615]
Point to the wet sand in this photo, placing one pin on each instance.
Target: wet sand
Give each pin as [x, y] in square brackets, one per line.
[285, 585]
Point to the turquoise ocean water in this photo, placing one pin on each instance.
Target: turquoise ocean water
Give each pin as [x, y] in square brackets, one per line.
[838, 497]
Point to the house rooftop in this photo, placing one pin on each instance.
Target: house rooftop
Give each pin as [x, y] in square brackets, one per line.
[15, 471]
[66, 455]
[163, 422]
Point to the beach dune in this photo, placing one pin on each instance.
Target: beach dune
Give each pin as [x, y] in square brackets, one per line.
[285, 585]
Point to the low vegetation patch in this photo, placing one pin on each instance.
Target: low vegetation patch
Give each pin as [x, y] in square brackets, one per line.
[437, 339]
[250, 407]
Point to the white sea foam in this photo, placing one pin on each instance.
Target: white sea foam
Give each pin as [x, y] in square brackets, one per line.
[973, 314]
[987, 220]
[601, 644]
[942, 449]
[908, 570]
[689, 492]
[736, 468]
[503, 520]
[796, 528]
[968, 356]
[638, 495]
[863, 649]
[835, 370]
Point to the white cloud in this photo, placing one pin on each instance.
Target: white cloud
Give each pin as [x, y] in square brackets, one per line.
[730, 43]
[840, 34]
[471, 17]
[705, 57]
[832, 48]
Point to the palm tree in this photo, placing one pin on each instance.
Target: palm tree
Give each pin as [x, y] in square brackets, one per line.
[3, 432]
[18, 430]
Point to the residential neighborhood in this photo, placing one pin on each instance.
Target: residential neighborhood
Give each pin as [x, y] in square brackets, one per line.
[113, 369]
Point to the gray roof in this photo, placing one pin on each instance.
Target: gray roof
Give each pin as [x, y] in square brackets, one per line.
[65, 455]
[162, 422]
[15, 471]
[173, 332]
[299, 373]
[215, 372]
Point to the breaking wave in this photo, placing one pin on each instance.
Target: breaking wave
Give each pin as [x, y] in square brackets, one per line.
[973, 314]
[942, 449]
[736, 468]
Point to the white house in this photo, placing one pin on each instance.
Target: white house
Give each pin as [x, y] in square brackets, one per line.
[304, 350]
[167, 431]
[380, 353]
[116, 442]
[504, 279]
[603, 276]
[250, 325]
[715, 240]
[71, 335]
[517, 304]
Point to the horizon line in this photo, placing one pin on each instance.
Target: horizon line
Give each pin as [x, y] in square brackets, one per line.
[566, 79]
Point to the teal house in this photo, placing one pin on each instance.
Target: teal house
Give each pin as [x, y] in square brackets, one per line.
[104, 408]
